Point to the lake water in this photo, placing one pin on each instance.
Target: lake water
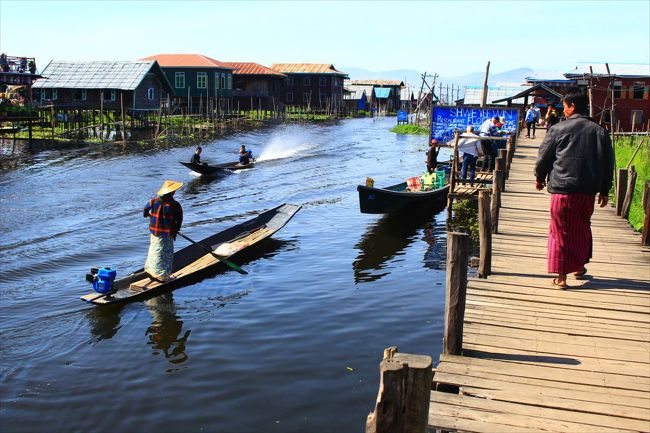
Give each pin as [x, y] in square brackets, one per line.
[294, 346]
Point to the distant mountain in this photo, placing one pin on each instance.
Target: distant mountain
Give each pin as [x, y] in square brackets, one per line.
[414, 78]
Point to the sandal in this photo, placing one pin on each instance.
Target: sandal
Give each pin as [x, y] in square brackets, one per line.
[581, 273]
[561, 286]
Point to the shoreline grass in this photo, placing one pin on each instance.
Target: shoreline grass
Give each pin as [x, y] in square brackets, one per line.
[624, 149]
[410, 129]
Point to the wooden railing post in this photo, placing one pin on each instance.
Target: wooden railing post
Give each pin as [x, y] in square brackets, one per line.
[645, 234]
[496, 194]
[485, 234]
[503, 157]
[455, 292]
[621, 187]
[629, 193]
[404, 394]
[510, 150]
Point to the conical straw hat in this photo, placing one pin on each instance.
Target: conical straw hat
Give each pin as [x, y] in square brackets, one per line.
[169, 186]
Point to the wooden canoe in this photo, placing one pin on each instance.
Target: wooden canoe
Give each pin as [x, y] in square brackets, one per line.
[218, 169]
[192, 263]
[396, 197]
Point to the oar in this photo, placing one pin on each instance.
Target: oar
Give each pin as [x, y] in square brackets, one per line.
[228, 263]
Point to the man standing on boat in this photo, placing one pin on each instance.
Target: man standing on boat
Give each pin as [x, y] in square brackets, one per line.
[432, 155]
[165, 218]
[576, 157]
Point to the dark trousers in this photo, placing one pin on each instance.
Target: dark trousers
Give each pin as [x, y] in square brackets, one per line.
[489, 155]
[469, 161]
[528, 125]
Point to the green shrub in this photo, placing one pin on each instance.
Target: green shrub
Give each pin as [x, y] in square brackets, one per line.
[624, 149]
[410, 129]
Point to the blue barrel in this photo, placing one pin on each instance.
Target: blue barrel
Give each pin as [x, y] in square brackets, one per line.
[104, 281]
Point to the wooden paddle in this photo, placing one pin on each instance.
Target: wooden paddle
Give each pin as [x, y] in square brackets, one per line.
[228, 263]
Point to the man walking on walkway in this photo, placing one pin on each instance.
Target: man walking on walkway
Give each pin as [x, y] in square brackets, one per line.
[577, 159]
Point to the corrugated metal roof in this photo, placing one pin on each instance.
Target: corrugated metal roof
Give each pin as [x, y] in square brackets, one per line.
[122, 75]
[378, 82]
[618, 69]
[474, 94]
[187, 61]
[252, 68]
[382, 92]
[307, 68]
[547, 75]
[357, 91]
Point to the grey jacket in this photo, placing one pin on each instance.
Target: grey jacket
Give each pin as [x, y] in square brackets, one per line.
[577, 157]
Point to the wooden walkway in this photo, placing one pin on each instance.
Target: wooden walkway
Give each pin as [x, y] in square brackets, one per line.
[540, 359]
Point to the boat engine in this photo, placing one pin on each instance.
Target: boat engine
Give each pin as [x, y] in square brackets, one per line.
[101, 279]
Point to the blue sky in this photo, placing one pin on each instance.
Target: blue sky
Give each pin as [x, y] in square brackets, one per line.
[447, 37]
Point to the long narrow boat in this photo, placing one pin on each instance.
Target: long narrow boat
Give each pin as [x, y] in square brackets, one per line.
[216, 170]
[397, 197]
[193, 263]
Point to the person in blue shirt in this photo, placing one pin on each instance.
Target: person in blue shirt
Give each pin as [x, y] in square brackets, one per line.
[531, 119]
[245, 156]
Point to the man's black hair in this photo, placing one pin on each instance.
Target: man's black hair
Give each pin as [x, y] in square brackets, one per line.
[576, 97]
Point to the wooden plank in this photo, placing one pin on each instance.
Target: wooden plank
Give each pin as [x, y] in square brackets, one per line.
[552, 372]
[576, 421]
[571, 397]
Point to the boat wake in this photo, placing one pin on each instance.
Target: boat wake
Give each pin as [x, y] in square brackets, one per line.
[282, 146]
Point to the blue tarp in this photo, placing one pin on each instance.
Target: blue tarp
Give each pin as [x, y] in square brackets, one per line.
[382, 92]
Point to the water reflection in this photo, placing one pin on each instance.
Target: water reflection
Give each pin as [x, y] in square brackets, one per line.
[435, 235]
[166, 328]
[389, 237]
[200, 184]
[104, 322]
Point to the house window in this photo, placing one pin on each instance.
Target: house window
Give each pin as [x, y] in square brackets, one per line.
[223, 81]
[55, 94]
[637, 90]
[322, 81]
[201, 80]
[289, 96]
[110, 95]
[79, 95]
[636, 117]
[179, 80]
[305, 81]
[43, 95]
[151, 94]
[216, 80]
[305, 97]
[289, 81]
[617, 89]
[229, 81]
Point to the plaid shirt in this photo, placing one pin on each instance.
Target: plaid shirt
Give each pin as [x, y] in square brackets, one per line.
[166, 216]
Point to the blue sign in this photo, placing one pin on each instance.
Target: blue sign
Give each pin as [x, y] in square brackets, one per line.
[402, 116]
[445, 119]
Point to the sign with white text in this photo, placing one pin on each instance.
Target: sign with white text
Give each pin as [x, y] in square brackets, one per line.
[445, 119]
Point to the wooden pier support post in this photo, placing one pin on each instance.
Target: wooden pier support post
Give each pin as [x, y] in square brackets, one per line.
[495, 205]
[645, 234]
[452, 179]
[629, 193]
[455, 292]
[503, 157]
[510, 150]
[404, 393]
[485, 234]
[621, 187]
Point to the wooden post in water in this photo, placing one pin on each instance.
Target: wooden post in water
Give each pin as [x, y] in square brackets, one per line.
[629, 194]
[404, 392]
[485, 234]
[510, 150]
[621, 187]
[645, 234]
[455, 292]
[123, 126]
[452, 179]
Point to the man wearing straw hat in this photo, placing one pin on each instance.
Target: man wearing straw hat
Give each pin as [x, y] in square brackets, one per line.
[165, 218]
